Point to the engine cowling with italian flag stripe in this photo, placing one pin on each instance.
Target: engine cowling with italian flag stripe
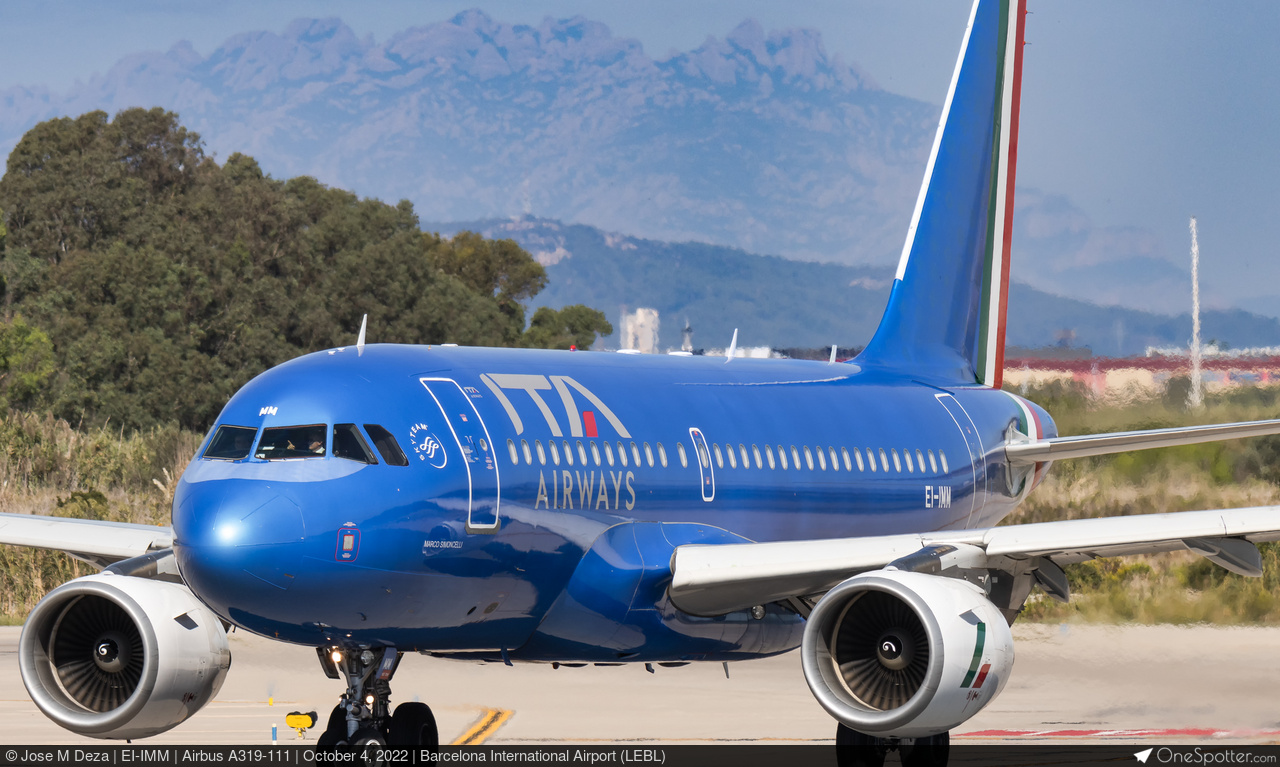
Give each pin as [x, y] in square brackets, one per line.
[905, 654]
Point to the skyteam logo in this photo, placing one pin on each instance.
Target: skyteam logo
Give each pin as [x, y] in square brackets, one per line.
[427, 447]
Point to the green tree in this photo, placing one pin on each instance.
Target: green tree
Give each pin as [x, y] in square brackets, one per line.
[162, 281]
[26, 364]
[575, 326]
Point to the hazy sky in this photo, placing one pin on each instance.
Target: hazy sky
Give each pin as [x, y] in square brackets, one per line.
[1142, 112]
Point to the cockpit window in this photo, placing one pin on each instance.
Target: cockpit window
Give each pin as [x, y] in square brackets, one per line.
[347, 443]
[282, 442]
[386, 444]
[231, 443]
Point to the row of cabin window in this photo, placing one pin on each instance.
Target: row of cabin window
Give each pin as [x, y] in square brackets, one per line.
[849, 459]
[595, 453]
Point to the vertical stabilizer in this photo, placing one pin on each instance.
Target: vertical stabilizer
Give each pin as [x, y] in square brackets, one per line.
[946, 315]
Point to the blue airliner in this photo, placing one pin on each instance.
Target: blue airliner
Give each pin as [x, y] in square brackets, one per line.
[525, 506]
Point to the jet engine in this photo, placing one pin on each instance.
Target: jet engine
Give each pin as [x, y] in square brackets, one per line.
[114, 656]
[905, 654]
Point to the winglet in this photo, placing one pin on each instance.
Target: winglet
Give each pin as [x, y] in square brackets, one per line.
[733, 346]
[832, 361]
[364, 321]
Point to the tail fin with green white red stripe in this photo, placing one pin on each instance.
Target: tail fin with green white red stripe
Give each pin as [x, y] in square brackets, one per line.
[945, 321]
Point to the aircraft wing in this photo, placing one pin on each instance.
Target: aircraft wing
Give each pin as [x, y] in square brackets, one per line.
[96, 542]
[714, 580]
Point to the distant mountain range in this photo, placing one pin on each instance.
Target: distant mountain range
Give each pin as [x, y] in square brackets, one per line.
[782, 303]
[757, 141]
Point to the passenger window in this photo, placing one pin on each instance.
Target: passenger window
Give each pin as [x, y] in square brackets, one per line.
[871, 459]
[858, 455]
[920, 461]
[555, 452]
[795, 458]
[746, 461]
[755, 451]
[622, 454]
[582, 454]
[768, 453]
[347, 443]
[542, 454]
[386, 444]
[511, 448]
[808, 457]
[835, 462]
[231, 443]
[822, 459]
[648, 455]
[933, 463]
[897, 464]
[782, 457]
[595, 453]
[719, 456]
[702, 454]
[568, 453]
[635, 454]
[906, 456]
[684, 459]
[943, 457]
[524, 447]
[662, 455]
[884, 460]
[733, 461]
[283, 442]
[608, 453]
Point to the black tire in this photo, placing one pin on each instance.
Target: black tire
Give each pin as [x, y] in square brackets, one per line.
[857, 749]
[933, 751]
[413, 724]
[335, 732]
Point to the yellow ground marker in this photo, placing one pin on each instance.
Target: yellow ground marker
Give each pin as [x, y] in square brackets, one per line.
[484, 728]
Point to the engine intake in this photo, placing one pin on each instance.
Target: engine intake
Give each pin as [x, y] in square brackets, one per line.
[905, 654]
[112, 656]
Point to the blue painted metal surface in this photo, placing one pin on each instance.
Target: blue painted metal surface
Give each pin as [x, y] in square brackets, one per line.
[577, 566]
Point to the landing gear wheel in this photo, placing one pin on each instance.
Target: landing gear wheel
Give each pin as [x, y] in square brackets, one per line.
[932, 751]
[413, 724]
[335, 732]
[857, 749]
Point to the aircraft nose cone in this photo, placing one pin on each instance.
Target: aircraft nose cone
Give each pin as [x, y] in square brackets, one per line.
[239, 545]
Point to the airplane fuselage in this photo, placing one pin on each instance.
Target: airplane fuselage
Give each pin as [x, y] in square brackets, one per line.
[543, 493]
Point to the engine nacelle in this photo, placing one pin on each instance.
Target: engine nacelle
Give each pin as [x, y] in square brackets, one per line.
[113, 656]
[903, 654]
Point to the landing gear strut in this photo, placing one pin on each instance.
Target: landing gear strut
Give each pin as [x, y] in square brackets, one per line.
[856, 749]
[363, 716]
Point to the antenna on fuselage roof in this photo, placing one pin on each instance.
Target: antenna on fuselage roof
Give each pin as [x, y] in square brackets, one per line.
[733, 347]
[364, 321]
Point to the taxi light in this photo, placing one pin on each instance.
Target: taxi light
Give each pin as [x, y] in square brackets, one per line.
[335, 656]
[369, 699]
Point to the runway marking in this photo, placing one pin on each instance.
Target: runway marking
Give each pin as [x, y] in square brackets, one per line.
[1184, 732]
[484, 728]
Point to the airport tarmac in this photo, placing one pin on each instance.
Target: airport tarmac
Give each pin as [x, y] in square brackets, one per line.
[1071, 683]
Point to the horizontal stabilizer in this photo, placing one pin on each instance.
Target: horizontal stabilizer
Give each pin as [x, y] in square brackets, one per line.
[1059, 448]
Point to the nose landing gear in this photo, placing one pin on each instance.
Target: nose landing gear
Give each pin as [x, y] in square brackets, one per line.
[363, 716]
